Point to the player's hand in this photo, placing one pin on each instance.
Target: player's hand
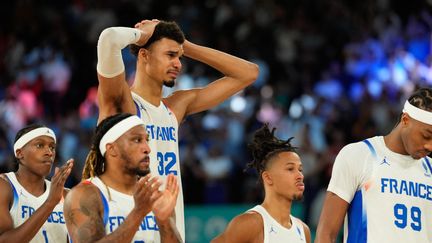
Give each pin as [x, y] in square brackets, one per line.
[146, 193]
[57, 182]
[164, 206]
[147, 28]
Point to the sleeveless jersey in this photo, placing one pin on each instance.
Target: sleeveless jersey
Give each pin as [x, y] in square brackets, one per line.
[274, 232]
[117, 207]
[25, 204]
[390, 194]
[162, 128]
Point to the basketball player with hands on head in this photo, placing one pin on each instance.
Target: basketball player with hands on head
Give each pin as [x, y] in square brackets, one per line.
[31, 207]
[382, 186]
[159, 46]
[280, 171]
[113, 202]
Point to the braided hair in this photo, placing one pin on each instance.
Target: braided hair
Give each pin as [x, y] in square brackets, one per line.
[422, 99]
[266, 146]
[94, 164]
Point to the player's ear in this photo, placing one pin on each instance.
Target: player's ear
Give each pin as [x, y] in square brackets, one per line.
[143, 54]
[266, 177]
[404, 119]
[19, 154]
[111, 149]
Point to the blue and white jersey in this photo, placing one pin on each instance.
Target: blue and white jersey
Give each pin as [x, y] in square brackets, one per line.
[390, 194]
[25, 204]
[162, 128]
[275, 232]
[117, 207]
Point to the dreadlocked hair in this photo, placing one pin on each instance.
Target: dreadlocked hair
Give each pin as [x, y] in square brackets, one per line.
[422, 99]
[265, 146]
[94, 164]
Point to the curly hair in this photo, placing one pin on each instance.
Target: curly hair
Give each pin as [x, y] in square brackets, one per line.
[266, 146]
[94, 164]
[422, 98]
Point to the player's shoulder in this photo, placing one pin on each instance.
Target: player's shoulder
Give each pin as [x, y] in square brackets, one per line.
[85, 189]
[5, 188]
[360, 147]
[250, 220]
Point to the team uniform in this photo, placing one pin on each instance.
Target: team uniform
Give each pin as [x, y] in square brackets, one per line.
[25, 204]
[390, 194]
[162, 128]
[117, 206]
[274, 232]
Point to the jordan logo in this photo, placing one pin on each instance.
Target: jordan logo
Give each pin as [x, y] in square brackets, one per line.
[385, 162]
[272, 230]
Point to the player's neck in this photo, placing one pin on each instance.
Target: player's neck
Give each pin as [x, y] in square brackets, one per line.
[279, 209]
[33, 183]
[119, 182]
[393, 141]
[147, 88]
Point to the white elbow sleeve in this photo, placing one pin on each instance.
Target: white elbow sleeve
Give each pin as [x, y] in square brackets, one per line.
[111, 41]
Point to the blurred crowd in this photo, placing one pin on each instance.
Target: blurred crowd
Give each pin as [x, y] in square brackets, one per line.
[331, 72]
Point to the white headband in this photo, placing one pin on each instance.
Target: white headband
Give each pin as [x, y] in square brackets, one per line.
[417, 113]
[117, 130]
[24, 139]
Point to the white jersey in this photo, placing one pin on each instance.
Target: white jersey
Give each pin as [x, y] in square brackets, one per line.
[117, 206]
[162, 128]
[390, 194]
[25, 204]
[274, 232]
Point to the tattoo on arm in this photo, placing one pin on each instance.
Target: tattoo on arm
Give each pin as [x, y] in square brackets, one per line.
[93, 227]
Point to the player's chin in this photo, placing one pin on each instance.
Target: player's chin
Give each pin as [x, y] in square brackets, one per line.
[169, 83]
[142, 172]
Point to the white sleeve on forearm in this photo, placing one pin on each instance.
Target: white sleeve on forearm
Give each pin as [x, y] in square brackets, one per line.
[111, 41]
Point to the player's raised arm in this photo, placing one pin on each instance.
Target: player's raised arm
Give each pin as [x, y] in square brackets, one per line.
[238, 74]
[114, 93]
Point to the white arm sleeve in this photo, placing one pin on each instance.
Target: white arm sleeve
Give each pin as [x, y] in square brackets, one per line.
[111, 41]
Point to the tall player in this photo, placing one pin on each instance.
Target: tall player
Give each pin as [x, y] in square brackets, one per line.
[280, 171]
[31, 207]
[159, 45]
[113, 204]
[384, 184]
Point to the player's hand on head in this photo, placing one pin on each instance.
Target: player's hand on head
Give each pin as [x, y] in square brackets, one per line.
[147, 28]
[164, 206]
[58, 180]
[146, 193]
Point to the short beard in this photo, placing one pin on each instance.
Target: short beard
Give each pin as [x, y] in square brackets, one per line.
[136, 170]
[169, 83]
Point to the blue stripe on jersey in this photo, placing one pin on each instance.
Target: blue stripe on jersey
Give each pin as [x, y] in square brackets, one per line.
[138, 109]
[357, 220]
[371, 148]
[15, 193]
[105, 208]
[428, 164]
